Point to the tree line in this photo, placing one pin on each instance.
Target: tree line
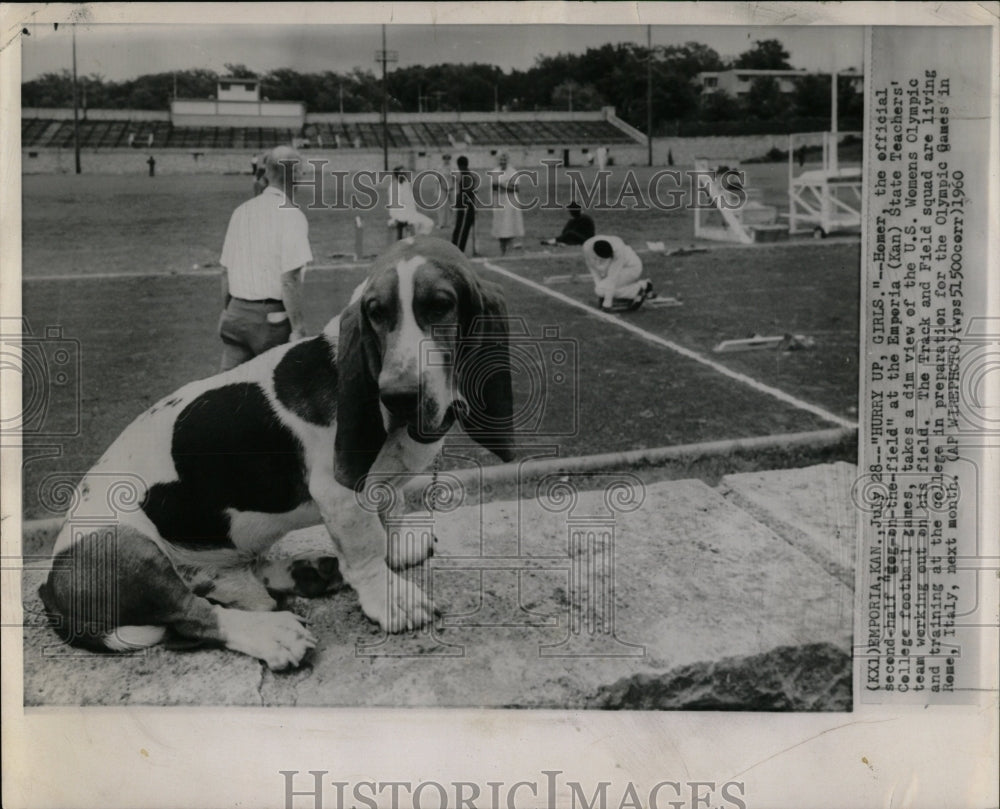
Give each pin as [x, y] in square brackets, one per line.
[610, 75]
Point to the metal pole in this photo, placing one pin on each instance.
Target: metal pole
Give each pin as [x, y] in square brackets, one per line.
[385, 107]
[833, 119]
[76, 111]
[649, 94]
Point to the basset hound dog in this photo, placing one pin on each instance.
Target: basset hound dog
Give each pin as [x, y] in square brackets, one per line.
[224, 467]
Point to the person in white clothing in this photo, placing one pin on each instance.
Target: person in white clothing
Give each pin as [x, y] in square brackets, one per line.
[402, 206]
[508, 221]
[266, 247]
[617, 273]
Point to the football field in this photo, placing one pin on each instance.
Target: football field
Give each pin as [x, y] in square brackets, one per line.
[111, 262]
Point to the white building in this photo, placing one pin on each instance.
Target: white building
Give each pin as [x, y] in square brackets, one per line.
[738, 81]
[237, 103]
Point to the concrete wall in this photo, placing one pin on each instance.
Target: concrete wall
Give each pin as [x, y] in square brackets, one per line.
[449, 117]
[743, 147]
[64, 114]
[185, 161]
[191, 161]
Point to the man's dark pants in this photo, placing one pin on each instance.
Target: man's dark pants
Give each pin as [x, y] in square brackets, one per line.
[249, 328]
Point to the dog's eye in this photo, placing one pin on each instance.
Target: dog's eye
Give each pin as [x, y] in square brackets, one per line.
[439, 307]
[375, 310]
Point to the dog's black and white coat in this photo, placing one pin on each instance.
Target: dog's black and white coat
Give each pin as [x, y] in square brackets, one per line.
[231, 463]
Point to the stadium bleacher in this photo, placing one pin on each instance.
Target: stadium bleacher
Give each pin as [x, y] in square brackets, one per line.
[113, 134]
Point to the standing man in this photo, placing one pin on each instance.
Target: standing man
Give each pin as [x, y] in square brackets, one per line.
[259, 174]
[448, 187]
[266, 247]
[465, 203]
[617, 273]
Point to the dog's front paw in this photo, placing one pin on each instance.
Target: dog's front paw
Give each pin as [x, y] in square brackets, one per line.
[409, 548]
[277, 638]
[395, 603]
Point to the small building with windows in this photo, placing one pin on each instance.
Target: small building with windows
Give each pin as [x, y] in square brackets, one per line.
[237, 103]
[738, 81]
[233, 89]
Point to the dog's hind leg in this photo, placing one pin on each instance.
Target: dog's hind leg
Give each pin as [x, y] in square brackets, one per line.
[237, 588]
[114, 589]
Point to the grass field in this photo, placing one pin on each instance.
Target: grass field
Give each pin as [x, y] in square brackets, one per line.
[86, 224]
[142, 337]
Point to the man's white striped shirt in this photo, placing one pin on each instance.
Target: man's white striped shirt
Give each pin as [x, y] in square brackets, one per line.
[267, 237]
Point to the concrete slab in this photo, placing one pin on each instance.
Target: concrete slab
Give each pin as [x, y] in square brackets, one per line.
[546, 603]
[811, 508]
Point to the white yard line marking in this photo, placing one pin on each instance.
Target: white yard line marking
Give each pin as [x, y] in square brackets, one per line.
[679, 349]
[210, 272]
[106, 276]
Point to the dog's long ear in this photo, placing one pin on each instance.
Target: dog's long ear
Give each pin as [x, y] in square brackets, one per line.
[483, 371]
[360, 431]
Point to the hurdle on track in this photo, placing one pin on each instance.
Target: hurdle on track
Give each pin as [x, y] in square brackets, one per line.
[824, 200]
[720, 181]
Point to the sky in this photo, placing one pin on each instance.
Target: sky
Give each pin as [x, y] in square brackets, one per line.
[122, 51]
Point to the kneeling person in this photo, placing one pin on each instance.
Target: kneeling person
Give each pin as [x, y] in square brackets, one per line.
[617, 273]
[577, 230]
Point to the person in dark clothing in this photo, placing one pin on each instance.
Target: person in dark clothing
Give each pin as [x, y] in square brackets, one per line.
[465, 203]
[577, 230]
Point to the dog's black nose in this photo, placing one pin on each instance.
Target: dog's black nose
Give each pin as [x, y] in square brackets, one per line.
[400, 403]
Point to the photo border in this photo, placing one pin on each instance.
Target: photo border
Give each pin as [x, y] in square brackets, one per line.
[213, 757]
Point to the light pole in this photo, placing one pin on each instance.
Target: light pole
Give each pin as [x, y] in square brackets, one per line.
[649, 94]
[833, 118]
[76, 110]
[385, 57]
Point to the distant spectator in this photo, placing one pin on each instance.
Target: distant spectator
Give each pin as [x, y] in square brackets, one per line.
[402, 206]
[465, 203]
[149, 139]
[617, 273]
[602, 157]
[131, 140]
[577, 230]
[259, 173]
[508, 221]
[448, 187]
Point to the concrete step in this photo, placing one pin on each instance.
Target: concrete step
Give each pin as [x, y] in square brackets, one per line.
[667, 595]
[809, 508]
